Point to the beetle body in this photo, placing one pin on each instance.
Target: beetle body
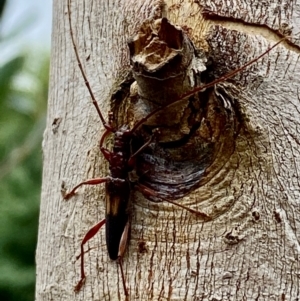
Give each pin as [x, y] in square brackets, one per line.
[117, 191]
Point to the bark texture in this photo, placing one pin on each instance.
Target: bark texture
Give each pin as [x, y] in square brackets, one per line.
[249, 248]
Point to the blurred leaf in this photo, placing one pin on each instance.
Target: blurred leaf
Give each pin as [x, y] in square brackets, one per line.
[23, 98]
[7, 72]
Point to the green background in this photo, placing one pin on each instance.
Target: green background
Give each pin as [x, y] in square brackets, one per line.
[23, 101]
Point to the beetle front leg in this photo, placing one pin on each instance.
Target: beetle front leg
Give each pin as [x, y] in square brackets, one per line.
[131, 160]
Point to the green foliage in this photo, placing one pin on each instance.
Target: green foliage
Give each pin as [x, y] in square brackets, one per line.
[23, 95]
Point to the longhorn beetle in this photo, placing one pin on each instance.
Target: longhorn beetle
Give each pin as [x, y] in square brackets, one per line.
[121, 162]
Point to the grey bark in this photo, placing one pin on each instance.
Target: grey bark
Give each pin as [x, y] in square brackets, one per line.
[250, 249]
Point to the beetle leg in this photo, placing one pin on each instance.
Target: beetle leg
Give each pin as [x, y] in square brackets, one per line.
[131, 159]
[106, 153]
[94, 181]
[150, 192]
[122, 249]
[90, 234]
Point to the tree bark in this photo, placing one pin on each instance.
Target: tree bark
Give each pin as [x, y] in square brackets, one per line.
[248, 248]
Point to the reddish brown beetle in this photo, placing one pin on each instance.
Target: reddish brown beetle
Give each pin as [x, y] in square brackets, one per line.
[121, 162]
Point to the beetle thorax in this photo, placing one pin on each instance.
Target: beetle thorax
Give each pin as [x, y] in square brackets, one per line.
[122, 141]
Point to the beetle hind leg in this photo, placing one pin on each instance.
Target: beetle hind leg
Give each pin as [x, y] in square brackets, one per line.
[89, 235]
[122, 248]
[146, 191]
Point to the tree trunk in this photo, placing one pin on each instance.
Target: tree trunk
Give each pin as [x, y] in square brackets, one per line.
[245, 245]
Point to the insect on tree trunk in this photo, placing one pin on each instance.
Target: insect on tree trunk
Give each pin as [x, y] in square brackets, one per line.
[230, 152]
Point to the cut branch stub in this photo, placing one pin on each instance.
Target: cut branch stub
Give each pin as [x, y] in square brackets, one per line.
[194, 136]
[161, 56]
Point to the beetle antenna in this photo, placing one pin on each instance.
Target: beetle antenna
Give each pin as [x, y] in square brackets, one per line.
[209, 85]
[105, 124]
